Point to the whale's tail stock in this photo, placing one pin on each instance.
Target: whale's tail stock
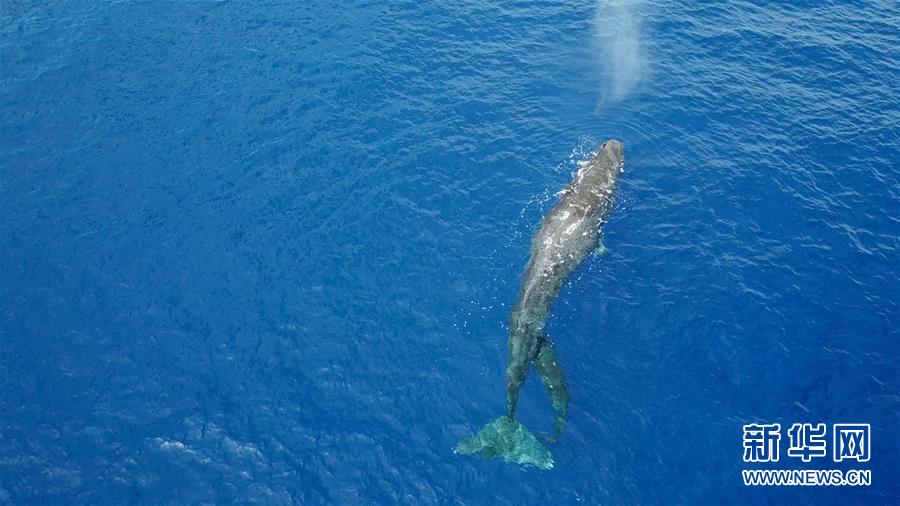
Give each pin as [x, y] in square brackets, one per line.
[505, 437]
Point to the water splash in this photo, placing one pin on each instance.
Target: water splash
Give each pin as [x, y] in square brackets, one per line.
[620, 57]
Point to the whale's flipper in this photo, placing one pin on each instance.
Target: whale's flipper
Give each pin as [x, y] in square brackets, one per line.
[509, 439]
[549, 369]
[600, 249]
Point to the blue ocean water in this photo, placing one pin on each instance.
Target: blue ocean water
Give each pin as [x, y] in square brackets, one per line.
[264, 253]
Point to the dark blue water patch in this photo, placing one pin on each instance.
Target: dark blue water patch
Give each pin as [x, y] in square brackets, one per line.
[266, 253]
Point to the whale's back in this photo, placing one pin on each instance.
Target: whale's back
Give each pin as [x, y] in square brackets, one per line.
[568, 233]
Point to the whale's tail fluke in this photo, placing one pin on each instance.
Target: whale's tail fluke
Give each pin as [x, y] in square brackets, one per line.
[507, 438]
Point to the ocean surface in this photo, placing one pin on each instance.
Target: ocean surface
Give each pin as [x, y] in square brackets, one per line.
[265, 253]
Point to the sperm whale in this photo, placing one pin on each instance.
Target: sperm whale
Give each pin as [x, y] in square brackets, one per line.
[567, 235]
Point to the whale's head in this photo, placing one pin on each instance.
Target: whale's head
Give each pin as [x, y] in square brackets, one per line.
[612, 150]
[607, 163]
[602, 169]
